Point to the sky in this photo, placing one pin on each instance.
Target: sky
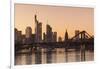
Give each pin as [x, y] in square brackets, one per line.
[59, 18]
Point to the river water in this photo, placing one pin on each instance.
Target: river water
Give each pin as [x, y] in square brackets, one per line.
[58, 56]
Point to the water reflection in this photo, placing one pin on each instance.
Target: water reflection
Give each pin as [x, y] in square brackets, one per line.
[57, 55]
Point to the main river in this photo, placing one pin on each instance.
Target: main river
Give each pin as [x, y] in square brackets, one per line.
[58, 56]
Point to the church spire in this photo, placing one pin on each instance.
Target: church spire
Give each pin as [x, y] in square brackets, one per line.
[66, 36]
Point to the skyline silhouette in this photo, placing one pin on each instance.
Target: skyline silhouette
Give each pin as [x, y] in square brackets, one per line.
[66, 35]
[59, 18]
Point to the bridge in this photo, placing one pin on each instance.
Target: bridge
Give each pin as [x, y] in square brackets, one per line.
[85, 39]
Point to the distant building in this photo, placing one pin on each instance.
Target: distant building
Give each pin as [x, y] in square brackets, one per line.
[28, 32]
[44, 37]
[54, 37]
[18, 36]
[59, 39]
[48, 33]
[76, 34]
[33, 38]
[66, 36]
[28, 35]
[38, 30]
[23, 39]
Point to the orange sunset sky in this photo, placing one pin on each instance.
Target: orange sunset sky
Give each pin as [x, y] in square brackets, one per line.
[59, 18]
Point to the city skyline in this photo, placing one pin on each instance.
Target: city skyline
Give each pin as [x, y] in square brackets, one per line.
[48, 35]
[78, 19]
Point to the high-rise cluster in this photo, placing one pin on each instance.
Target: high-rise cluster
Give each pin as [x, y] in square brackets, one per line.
[48, 36]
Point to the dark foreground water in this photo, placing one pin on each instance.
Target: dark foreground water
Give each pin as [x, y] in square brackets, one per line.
[58, 56]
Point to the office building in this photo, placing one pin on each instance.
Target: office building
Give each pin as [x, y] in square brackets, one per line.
[48, 33]
[54, 37]
[18, 36]
[44, 37]
[28, 35]
[59, 39]
[38, 30]
[28, 32]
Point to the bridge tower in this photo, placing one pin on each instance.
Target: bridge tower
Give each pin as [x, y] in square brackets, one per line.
[83, 46]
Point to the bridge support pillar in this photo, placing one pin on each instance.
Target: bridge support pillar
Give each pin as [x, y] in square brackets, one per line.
[83, 46]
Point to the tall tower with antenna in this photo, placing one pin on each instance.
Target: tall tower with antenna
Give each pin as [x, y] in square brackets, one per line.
[38, 30]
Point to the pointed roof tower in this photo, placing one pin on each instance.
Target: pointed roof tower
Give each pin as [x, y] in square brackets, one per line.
[66, 36]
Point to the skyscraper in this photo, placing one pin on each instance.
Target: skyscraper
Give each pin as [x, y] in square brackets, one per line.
[38, 30]
[49, 33]
[54, 37]
[18, 36]
[28, 35]
[28, 32]
[44, 37]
